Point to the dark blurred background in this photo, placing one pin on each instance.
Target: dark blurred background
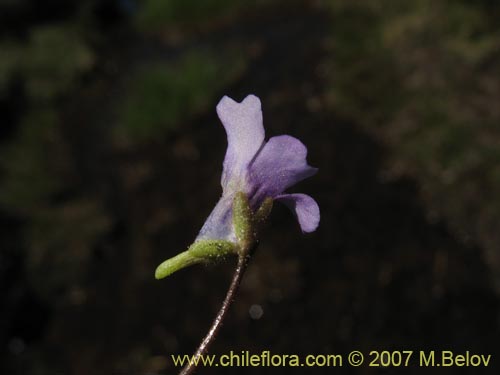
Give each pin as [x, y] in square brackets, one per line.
[111, 154]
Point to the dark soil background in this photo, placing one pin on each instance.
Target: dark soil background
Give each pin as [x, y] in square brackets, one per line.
[110, 161]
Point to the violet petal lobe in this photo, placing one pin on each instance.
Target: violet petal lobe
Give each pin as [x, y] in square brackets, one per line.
[245, 135]
[280, 164]
[305, 209]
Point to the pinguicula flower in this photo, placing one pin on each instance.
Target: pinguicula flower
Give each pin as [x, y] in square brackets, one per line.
[255, 174]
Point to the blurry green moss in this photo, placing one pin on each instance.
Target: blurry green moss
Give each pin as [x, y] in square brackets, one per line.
[60, 234]
[53, 59]
[9, 61]
[33, 163]
[423, 76]
[162, 95]
[155, 15]
[361, 64]
[49, 62]
[61, 242]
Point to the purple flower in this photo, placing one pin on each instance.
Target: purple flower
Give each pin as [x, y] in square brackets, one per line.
[259, 169]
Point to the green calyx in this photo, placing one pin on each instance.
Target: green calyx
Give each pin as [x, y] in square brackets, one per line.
[243, 220]
[263, 212]
[246, 224]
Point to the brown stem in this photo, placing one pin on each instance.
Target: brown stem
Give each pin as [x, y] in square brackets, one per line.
[243, 259]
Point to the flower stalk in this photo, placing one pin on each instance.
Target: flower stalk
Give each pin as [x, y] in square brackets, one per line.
[243, 260]
[246, 224]
[255, 173]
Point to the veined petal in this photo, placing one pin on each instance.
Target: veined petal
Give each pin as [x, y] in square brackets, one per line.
[305, 208]
[219, 224]
[245, 136]
[280, 164]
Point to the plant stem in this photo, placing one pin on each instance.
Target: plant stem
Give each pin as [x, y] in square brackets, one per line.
[241, 267]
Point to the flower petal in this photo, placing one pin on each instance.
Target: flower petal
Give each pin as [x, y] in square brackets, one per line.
[305, 209]
[219, 224]
[280, 164]
[245, 135]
